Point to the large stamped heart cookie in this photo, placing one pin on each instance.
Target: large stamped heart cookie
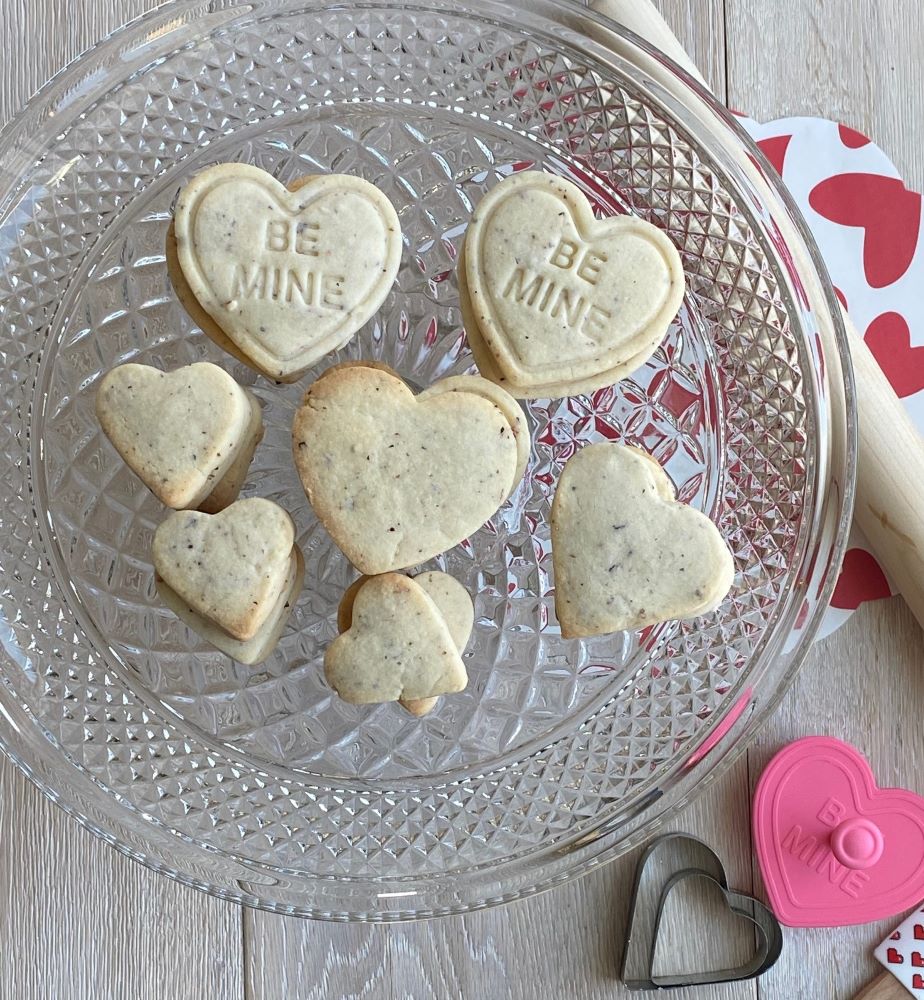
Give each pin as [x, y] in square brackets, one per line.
[558, 297]
[398, 646]
[626, 554]
[397, 478]
[487, 364]
[286, 274]
[452, 601]
[189, 434]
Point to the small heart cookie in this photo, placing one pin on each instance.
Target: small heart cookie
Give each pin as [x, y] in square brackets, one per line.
[267, 637]
[454, 604]
[230, 567]
[626, 554]
[287, 274]
[558, 297]
[397, 478]
[398, 646]
[189, 435]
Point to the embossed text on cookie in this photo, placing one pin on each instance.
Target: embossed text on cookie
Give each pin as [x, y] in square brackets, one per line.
[564, 290]
[282, 282]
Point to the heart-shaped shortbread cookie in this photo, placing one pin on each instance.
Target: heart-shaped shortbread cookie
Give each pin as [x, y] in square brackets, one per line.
[397, 478]
[189, 435]
[265, 639]
[287, 275]
[229, 567]
[626, 554]
[487, 365]
[558, 296]
[502, 399]
[398, 646]
[453, 602]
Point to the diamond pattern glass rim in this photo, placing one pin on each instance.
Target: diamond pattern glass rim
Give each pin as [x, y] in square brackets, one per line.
[256, 787]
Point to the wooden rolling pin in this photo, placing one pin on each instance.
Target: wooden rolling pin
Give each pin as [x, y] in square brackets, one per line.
[890, 465]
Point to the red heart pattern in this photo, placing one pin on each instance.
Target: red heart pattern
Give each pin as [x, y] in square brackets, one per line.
[774, 149]
[867, 225]
[889, 338]
[906, 955]
[887, 212]
[861, 580]
[851, 138]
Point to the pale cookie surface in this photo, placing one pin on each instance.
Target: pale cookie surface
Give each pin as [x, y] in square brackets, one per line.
[395, 478]
[229, 567]
[228, 488]
[502, 399]
[258, 648]
[183, 433]
[452, 599]
[626, 554]
[287, 275]
[487, 365]
[454, 604]
[398, 646]
[558, 295]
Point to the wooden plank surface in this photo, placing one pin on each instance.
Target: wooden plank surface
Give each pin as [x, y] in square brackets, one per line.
[79, 921]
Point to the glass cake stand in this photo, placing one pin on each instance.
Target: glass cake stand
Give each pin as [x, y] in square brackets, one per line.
[257, 784]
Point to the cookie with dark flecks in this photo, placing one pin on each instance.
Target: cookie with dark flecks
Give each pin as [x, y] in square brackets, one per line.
[233, 577]
[451, 599]
[398, 646]
[625, 552]
[556, 301]
[279, 276]
[397, 478]
[189, 434]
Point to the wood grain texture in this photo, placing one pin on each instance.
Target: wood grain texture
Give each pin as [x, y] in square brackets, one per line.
[81, 922]
[566, 943]
[858, 61]
[864, 684]
[884, 987]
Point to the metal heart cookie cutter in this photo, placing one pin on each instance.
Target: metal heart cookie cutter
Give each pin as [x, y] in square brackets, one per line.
[666, 862]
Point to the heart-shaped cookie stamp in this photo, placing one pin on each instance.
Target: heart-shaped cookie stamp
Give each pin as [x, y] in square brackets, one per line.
[451, 599]
[559, 296]
[397, 478]
[398, 646]
[230, 567]
[626, 554]
[189, 435]
[834, 848]
[287, 275]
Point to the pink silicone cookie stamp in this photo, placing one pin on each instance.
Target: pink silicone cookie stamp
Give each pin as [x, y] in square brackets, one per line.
[833, 847]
